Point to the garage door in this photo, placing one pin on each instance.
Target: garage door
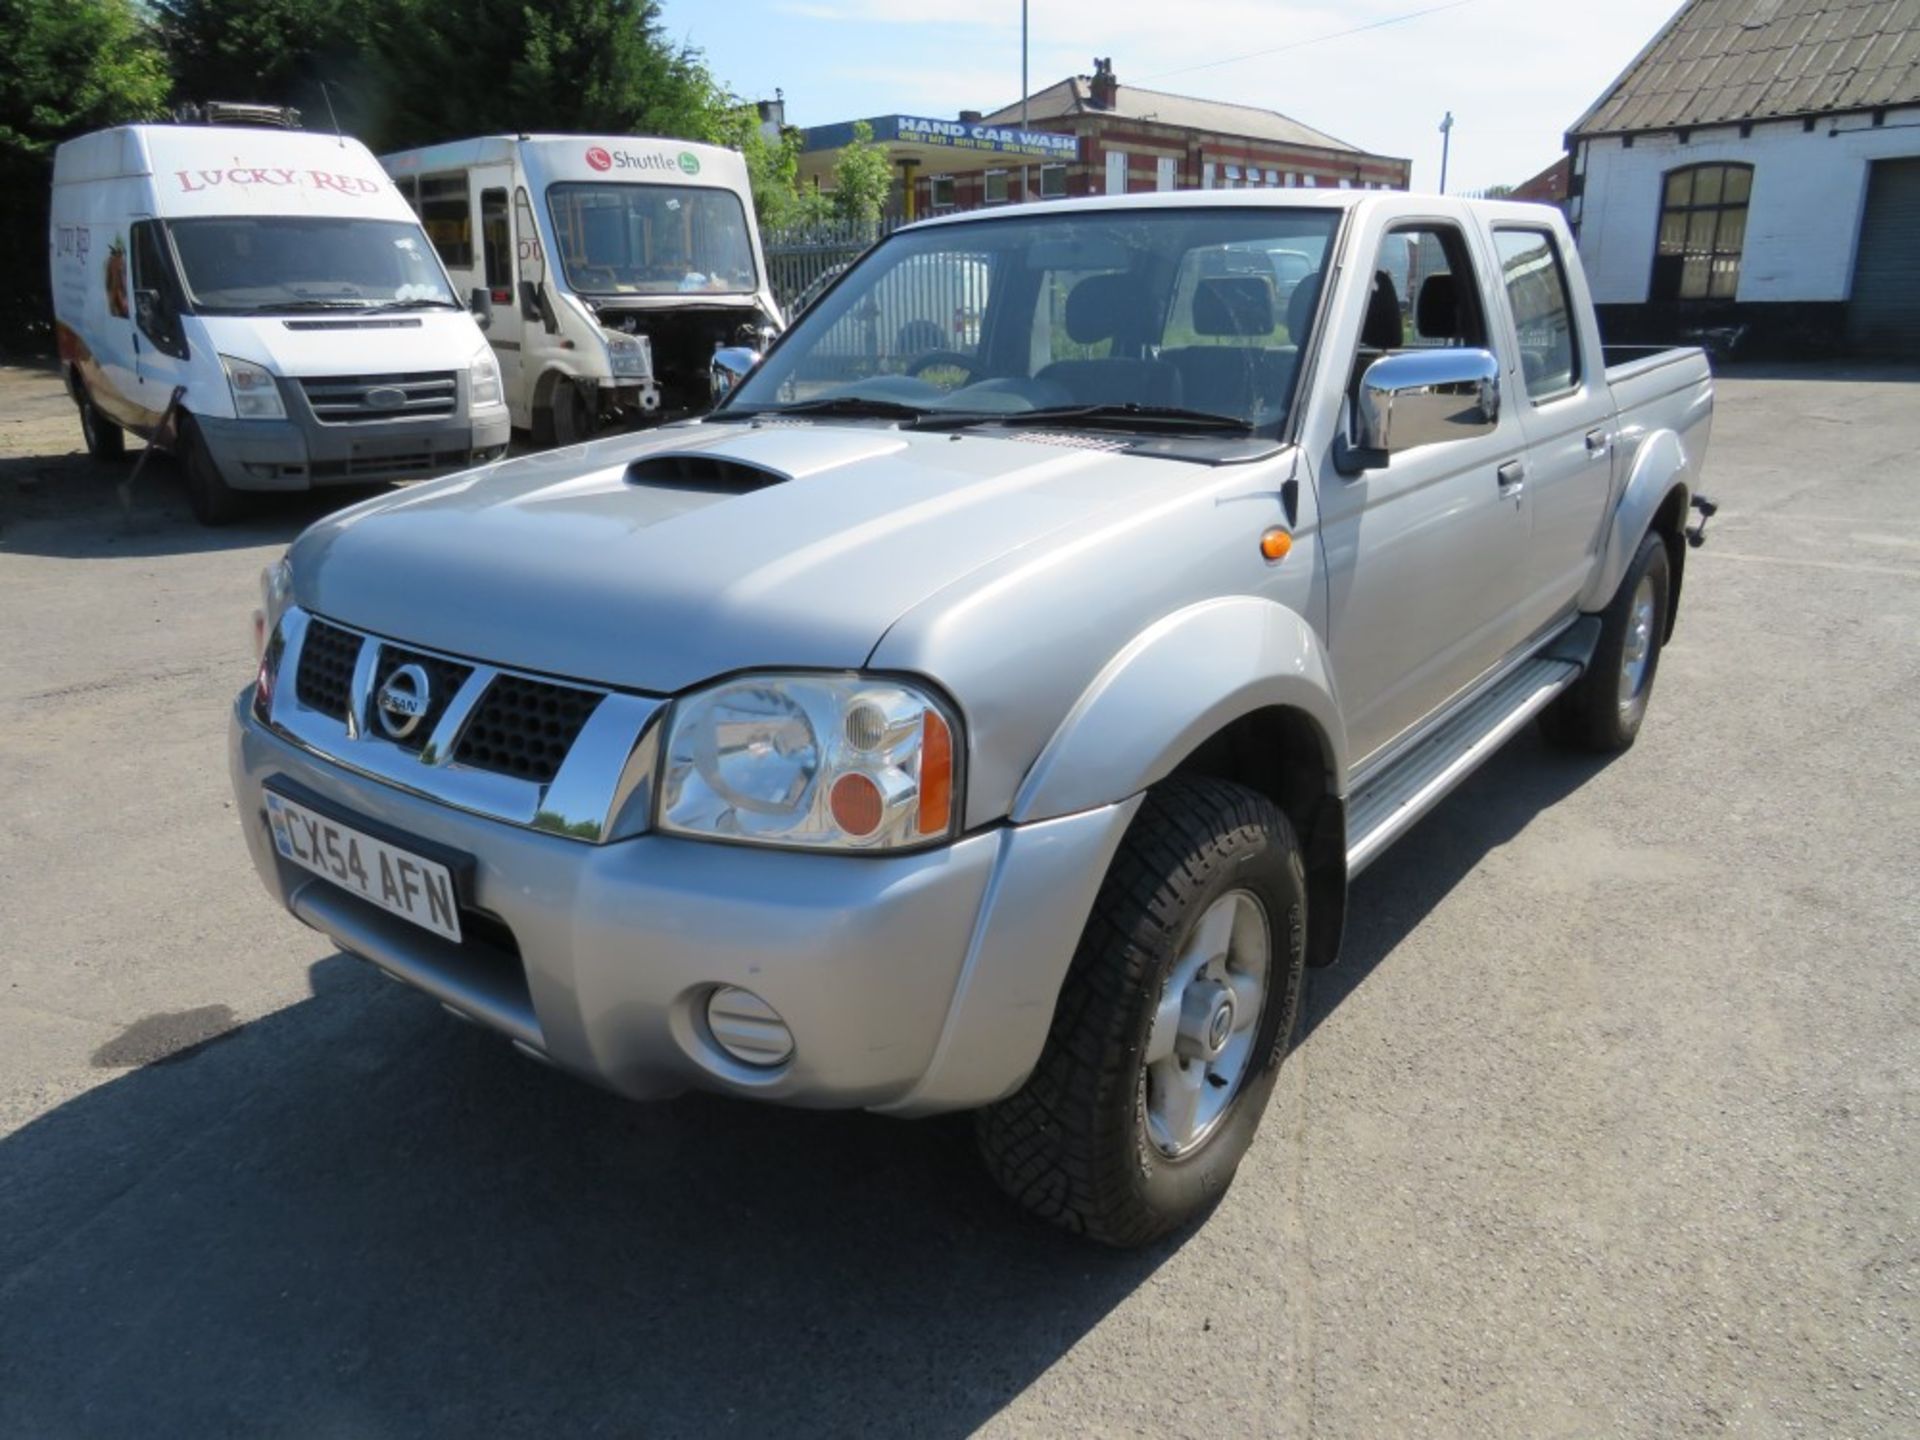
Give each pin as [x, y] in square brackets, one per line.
[1883, 317]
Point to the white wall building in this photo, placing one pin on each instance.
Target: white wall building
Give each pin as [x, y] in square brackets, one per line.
[1756, 171]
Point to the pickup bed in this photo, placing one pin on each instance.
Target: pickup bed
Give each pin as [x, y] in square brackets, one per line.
[989, 719]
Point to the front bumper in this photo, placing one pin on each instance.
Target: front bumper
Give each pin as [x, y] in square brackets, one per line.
[300, 453]
[912, 984]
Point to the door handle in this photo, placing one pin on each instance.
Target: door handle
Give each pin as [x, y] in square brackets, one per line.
[1597, 442]
[1511, 477]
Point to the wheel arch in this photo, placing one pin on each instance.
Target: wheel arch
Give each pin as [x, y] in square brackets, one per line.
[1655, 497]
[1235, 689]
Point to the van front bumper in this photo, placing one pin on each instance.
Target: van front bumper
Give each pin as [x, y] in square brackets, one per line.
[912, 984]
[304, 454]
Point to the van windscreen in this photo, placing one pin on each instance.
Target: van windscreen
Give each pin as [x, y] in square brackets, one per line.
[631, 239]
[266, 264]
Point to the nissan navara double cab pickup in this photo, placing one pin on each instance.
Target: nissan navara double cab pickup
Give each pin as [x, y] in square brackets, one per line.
[990, 720]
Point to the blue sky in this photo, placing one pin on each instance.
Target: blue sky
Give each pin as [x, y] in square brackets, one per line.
[1515, 73]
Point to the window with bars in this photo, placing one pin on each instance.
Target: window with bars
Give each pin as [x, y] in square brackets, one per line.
[1703, 228]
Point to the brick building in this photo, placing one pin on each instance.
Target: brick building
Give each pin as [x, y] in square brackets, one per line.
[1091, 135]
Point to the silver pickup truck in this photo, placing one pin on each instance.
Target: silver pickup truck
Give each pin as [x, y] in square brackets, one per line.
[990, 720]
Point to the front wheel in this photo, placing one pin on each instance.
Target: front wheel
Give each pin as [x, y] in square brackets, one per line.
[1602, 710]
[566, 417]
[212, 500]
[1177, 1010]
[105, 440]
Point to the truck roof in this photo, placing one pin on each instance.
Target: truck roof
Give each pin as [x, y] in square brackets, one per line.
[1292, 198]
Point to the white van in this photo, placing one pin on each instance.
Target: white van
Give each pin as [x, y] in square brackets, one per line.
[616, 266]
[276, 280]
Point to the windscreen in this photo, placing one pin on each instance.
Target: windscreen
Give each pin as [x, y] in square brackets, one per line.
[259, 264]
[1205, 309]
[625, 239]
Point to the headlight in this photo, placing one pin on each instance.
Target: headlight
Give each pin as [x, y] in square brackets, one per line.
[827, 762]
[483, 379]
[276, 593]
[255, 396]
[631, 356]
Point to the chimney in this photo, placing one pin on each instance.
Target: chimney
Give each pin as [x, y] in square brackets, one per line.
[1104, 90]
[970, 117]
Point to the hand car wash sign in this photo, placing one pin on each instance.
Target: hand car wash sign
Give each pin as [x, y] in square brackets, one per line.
[959, 135]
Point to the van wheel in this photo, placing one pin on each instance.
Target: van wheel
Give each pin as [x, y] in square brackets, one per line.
[105, 440]
[1177, 1010]
[563, 416]
[213, 501]
[1602, 710]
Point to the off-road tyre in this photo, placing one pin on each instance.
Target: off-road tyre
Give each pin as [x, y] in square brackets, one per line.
[212, 500]
[1072, 1145]
[1590, 714]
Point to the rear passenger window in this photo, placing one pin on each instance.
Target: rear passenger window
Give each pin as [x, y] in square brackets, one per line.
[447, 216]
[1537, 290]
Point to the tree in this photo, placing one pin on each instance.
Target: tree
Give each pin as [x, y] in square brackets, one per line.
[862, 178]
[773, 167]
[275, 52]
[475, 67]
[71, 66]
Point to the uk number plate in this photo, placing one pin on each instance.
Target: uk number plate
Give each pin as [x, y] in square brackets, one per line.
[405, 884]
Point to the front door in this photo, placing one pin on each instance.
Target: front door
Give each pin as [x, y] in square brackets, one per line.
[498, 271]
[159, 337]
[1426, 555]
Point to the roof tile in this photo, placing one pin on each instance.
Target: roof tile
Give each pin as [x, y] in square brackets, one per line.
[1719, 62]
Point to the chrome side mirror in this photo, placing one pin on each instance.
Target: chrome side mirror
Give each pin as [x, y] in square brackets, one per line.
[728, 368]
[1420, 397]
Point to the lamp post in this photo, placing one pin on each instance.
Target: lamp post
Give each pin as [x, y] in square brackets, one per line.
[1446, 143]
[1023, 101]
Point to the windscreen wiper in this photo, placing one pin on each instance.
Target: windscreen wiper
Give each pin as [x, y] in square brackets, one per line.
[287, 306]
[856, 406]
[1165, 417]
[421, 304]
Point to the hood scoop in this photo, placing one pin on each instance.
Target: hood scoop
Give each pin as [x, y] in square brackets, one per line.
[698, 473]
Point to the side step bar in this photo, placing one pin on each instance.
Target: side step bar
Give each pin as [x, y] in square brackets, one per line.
[1387, 806]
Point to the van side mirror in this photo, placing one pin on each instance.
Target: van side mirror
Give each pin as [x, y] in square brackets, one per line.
[1419, 397]
[730, 365]
[147, 309]
[534, 305]
[480, 302]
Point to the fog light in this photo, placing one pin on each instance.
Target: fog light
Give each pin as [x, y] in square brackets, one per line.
[747, 1028]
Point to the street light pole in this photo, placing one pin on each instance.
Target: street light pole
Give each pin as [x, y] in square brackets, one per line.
[1446, 144]
[1023, 100]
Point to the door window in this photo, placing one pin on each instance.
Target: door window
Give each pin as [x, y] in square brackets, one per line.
[157, 296]
[1537, 290]
[1424, 294]
[496, 243]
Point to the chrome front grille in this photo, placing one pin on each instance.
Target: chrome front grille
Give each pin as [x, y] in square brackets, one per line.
[325, 677]
[525, 727]
[362, 399]
[547, 754]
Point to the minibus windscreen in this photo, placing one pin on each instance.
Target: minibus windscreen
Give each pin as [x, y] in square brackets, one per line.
[633, 239]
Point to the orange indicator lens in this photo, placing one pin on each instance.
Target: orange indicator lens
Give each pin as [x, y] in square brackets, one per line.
[936, 774]
[1275, 544]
